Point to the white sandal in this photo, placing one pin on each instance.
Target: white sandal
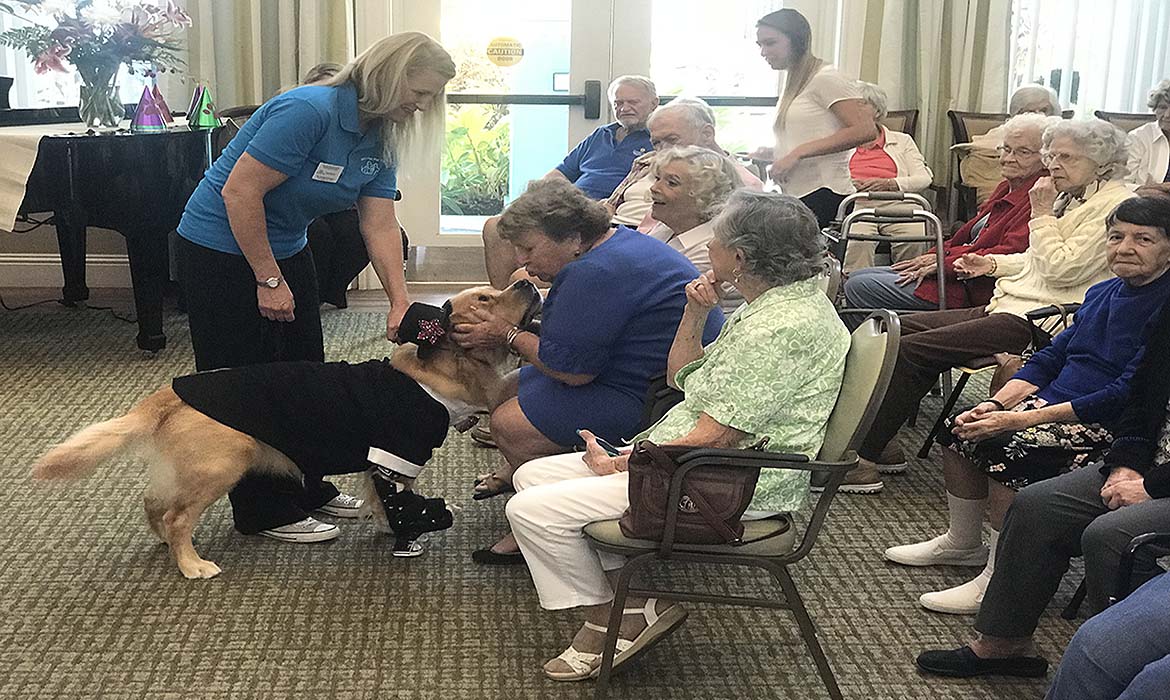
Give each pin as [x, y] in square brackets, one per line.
[657, 627]
[583, 665]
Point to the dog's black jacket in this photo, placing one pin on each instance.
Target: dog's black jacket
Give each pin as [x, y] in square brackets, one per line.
[329, 418]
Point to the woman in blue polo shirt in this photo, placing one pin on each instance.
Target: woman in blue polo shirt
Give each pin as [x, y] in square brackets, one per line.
[247, 273]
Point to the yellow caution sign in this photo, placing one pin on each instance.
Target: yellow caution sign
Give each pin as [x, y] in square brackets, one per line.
[505, 51]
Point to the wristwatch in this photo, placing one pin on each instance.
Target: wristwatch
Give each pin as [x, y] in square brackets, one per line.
[271, 282]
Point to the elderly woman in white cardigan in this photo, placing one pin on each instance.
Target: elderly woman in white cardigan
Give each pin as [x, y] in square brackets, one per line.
[889, 163]
[1149, 146]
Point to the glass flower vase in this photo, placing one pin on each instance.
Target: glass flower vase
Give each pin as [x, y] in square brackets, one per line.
[100, 106]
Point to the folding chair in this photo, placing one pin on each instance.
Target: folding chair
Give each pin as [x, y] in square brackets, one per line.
[769, 544]
[1042, 334]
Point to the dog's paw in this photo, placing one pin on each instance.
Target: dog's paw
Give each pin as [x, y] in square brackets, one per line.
[200, 568]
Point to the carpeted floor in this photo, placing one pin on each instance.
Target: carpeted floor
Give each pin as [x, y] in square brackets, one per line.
[92, 606]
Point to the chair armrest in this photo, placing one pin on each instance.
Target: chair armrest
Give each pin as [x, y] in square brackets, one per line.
[717, 457]
[1124, 584]
[1051, 310]
[1042, 336]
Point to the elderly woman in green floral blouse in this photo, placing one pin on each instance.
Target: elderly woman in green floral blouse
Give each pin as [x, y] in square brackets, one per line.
[773, 372]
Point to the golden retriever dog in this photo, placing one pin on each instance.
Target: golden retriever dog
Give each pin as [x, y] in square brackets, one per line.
[193, 460]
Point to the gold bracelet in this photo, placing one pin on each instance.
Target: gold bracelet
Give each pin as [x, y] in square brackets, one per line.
[994, 266]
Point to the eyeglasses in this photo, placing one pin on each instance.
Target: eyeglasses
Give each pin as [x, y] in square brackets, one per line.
[1059, 158]
[1018, 152]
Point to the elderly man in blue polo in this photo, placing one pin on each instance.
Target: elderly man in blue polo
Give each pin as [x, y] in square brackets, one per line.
[596, 166]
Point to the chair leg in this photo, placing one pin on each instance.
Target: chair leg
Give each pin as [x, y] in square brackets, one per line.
[808, 631]
[613, 629]
[952, 399]
[1074, 604]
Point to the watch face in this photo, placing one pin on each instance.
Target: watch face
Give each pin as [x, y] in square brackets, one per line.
[271, 282]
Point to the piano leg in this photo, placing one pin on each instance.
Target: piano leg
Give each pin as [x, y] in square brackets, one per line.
[71, 243]
[149, 271]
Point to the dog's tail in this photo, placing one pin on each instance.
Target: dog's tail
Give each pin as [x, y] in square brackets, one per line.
[89, 448]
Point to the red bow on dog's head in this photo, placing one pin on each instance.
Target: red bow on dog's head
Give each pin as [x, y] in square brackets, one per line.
[426, 326]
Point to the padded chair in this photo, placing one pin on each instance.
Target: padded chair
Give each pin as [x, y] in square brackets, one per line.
[1126, 121]
[904, 120]
[1046, 322]
[233, 119]
[770, 544]
[964, 127]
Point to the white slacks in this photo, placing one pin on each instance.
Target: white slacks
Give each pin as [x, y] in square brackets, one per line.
[556, 497]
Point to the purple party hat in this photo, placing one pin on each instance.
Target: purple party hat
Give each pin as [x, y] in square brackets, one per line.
[147, 117]
[162, 105]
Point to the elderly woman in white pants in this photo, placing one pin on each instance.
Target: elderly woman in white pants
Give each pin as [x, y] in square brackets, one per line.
[774, 372]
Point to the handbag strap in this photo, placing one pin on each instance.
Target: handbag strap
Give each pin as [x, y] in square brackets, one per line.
[708, 513]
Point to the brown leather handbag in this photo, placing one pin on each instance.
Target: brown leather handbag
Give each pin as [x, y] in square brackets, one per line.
[713, 498]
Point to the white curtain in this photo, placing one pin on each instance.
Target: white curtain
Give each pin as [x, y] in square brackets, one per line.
[1115, 50]
[248, 50]
[930, 55]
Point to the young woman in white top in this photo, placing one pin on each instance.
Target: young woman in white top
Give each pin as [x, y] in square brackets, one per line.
[819, 120]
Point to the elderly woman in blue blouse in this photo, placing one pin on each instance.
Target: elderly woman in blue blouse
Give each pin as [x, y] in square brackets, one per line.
[774, 372]
[616, 298]
[1055, 414]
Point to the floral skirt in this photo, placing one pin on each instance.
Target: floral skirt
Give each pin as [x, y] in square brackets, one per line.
[1033, 454]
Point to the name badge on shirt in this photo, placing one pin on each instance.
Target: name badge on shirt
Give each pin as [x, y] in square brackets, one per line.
[327, 172]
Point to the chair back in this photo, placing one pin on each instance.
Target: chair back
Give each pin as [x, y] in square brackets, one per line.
[967, 125]
[1126, 121]
[903, 120]
[830, 280]
[873, 349]
[233, 120]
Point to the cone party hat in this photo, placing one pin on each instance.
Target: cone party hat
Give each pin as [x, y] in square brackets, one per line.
[162, 105]
[147, 117]
[204, 115]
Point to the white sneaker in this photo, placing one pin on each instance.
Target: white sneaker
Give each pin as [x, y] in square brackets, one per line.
[342, 505]
[960, 600]
[307, 530]
[937, 551]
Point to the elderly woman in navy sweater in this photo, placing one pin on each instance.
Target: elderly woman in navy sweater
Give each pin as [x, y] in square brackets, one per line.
[1055, 414]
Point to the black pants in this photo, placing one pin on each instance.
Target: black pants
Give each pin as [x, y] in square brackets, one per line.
[339, 253]
[1051, 522]
[227, 330]
[824, 203]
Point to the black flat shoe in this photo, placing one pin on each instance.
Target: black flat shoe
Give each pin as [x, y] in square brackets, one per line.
[964, 663]
[488, 557]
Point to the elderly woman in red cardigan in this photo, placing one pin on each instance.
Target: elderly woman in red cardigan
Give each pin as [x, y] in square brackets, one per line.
[999, 228]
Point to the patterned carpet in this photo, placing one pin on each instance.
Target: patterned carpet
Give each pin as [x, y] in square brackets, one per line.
[91, 606]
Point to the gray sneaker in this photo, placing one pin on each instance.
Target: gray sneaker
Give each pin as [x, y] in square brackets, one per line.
[307, 530]
[342, 505]
[862, 479]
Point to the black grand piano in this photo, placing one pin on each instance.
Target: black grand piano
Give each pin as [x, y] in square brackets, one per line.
[135, 184]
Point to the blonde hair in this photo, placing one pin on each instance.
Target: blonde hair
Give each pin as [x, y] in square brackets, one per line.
[803, 65]
[713, 176]
[379, 75]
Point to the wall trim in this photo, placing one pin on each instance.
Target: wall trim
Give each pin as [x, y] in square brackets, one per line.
[44, 270]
